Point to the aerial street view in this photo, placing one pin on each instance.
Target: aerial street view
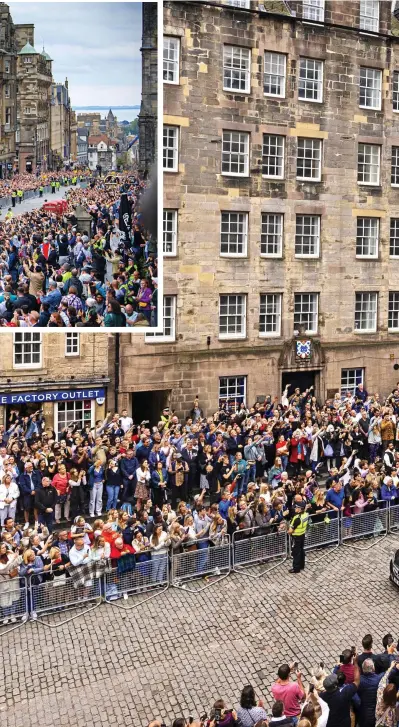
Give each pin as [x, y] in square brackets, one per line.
[200, 522]
[78, 242]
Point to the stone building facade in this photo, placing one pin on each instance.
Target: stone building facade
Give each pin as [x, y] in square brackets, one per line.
[34, 77]
[67, 375]
[281, 136]
[149, 93]
[8, 92]
[63, 124]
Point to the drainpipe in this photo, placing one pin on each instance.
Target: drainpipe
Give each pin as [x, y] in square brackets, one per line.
[117, 368]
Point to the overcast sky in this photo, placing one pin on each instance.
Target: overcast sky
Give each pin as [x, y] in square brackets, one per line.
[95, 45]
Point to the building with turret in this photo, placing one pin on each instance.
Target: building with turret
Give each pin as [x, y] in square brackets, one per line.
[33, 119]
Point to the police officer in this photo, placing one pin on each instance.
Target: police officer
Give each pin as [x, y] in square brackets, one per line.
[41, 191]
[20, 194]
[297, 530]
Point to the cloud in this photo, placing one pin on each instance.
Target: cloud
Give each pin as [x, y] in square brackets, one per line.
[95, 44]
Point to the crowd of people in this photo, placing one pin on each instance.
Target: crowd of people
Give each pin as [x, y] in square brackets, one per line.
[362, 689]
[18, 184]
[185, 485]
[54, 275]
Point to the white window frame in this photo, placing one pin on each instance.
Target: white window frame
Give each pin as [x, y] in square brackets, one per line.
[171, 59]
[233, 335]
[348, 376]
[173, 219]
[313, 223]
[373, 225]
[72, 343]
[74, 401]
[276, 142]
[243, 138]
[239, 3]
[370, 149]
[26, 338]
[232, 384]
[312, 301]
[274, 59]
[28, 59]
[393, 310]
[367, 20]
[395, 166]
[362, 297]
[395, 92]
[273, 302]
[315, 146]
[237, 63]
[174, 147]
[241, 220]
[169, 308]
[394, 238]
[267, 225]
[312, 8]
[7, 66]
[370, 80]
[306, 63]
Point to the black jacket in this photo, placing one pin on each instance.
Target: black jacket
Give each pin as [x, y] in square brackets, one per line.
[45, 497]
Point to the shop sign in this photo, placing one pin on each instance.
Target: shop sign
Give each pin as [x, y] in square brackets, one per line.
[42, 397]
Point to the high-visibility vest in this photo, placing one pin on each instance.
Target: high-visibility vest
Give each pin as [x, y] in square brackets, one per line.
[303, 525]
[13, 193]
[20, 193]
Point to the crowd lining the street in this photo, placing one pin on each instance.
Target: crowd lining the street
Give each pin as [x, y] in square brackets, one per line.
[184, 486]
[52, 275]
[362, 689]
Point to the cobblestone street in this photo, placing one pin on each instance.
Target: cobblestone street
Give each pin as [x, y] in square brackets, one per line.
[194, 648]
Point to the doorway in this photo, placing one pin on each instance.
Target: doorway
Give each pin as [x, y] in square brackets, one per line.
[148, 405]
[299, 379]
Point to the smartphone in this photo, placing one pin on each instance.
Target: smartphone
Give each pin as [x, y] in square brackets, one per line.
[311, 687]
[295, 665]
[353, 650]
[341, 658]
[217, 715]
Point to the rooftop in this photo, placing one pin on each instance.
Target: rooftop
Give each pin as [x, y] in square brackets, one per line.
[28, 50]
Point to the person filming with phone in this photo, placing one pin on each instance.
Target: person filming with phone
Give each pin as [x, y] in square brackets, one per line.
[289, 692]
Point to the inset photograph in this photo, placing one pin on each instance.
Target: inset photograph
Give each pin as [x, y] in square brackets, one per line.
[78, 212]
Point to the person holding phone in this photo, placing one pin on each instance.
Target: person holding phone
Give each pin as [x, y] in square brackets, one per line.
[251, 710]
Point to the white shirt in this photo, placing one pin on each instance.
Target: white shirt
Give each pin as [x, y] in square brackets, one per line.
[126, 423]
[11, 491]
[77, 557]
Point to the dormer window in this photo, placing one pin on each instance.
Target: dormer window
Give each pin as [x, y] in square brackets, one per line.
[28, 59]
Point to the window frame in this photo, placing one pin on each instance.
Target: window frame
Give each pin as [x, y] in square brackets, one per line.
[247, 73]
[175, 62]
[396, 166]
[72, 336]
[242, 4]
[153, 337]
[245, 154]
[308, 331]
[372, 146]
[284, 77]
[356, 382]
[318, 5]
[174, 232]
[281, 158]
[395, 92]
[393, 223]
[230, 379]
[320, 143]
[321, 82]
[364, 16]
[390, 328]
[175, 168]
[316, 254]
[378, 74]
[278, 254]
[76, 401]
[233, 336]
[245, 215]
[364, 218]
[23, 334]
[366, 330]
[278, 299]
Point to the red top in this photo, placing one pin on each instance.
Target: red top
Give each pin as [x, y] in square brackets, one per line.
[116, 553]
[61, 483]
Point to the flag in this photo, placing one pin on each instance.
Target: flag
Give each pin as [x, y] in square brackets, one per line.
[125, 220]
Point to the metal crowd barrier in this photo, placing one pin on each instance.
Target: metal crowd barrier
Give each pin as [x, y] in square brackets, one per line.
[148, 577]
[13, 603]
[59, 594]
[207, 561]
[371, 523]
[323, 534]
[251, 549]
[393, 518]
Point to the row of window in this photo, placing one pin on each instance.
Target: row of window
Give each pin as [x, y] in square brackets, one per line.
[233, 315]
[369, 12]
[237, 75]
[233, 389]
[28, 348]
[234, 235]
[235, 159]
